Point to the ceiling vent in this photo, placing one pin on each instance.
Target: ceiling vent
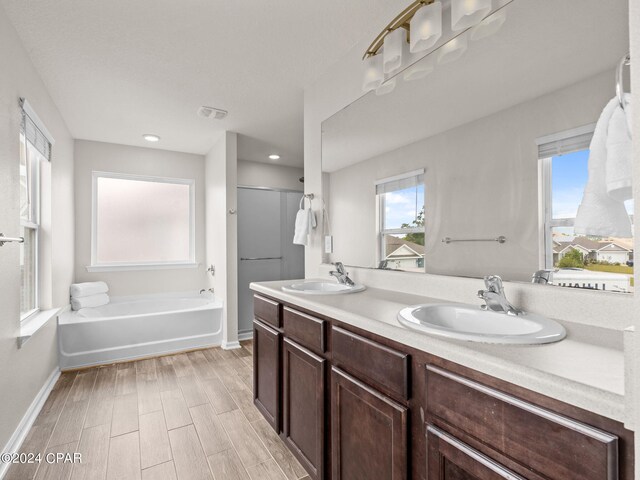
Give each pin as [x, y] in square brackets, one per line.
[210, 112]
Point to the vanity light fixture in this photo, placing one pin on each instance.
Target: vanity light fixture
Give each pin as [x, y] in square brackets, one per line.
[467, 13]
[274, 156]
[150, 137]
[426, 27]
[373, 74]
[421, 24]
[393, 44]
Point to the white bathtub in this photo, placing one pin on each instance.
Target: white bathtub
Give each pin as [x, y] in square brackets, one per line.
[138, 326]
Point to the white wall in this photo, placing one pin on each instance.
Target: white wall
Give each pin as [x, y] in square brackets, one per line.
[222, 229]
[107, 157]
[24, 371]
[495, 193]
[257, 174]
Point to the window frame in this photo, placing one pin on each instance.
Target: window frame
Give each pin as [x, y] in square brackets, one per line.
[124, 266]
[32, 165]
[546, 221]
[381, 207]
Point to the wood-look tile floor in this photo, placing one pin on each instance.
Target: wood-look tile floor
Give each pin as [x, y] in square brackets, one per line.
[188, 416]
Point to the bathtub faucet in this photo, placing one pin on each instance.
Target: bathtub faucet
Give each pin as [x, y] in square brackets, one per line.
[206, 290]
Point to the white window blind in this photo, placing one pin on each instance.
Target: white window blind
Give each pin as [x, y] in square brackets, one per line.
[565, 142]
[34, 130]
[400, 182]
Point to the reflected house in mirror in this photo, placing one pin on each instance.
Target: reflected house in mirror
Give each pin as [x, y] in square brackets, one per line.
[502, 136]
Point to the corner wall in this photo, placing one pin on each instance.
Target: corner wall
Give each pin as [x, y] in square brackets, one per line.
[221, 172]
[24, 371]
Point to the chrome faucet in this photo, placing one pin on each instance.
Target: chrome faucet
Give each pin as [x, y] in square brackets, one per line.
[495, 298]
[206, 290]
[341, 275]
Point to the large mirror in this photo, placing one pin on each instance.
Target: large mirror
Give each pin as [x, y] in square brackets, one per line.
[474, 159]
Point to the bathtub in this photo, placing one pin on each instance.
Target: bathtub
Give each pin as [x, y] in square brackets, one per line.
[138, 326]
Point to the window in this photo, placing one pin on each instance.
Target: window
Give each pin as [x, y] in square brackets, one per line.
[401, 233]
[30, 160]
[585, 261]
[35, 149]
[142, 222]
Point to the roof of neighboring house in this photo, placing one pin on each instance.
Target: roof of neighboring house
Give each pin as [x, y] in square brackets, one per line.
[622, 242]
[584, 244]
[400, 248]
[612, 247]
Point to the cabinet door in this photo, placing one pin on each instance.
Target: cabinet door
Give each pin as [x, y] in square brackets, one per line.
[266, 373]
[368, 432]
[450, 459]
[303, 406]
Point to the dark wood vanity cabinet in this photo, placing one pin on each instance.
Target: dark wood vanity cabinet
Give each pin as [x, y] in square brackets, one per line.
[267, 372]
[369, 432]
[354, 406]
[303, 406]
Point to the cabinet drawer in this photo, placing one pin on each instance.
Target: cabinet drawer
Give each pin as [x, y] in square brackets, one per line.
[380, 366]
[308, 331]
[553, 445]
[267, 310]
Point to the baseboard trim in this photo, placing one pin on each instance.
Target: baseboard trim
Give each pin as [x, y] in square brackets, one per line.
[230, 345]
[20, 433]
[245, 336]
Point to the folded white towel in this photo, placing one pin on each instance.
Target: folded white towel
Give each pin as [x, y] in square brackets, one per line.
[86, 289]
[91, 301]
[619, 154]
[599, 214]
[305, 222]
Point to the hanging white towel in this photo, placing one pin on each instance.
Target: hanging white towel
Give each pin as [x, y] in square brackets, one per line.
[91, 301]
[619, 153]
[87, 288]
[599, 214]
[305, 222]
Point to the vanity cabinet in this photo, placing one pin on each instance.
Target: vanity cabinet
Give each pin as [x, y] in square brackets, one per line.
[351, 405]
[303, 406]
[267, 372]
[369, 436]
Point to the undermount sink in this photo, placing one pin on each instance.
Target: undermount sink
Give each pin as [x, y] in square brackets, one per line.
[466, 322]
[323, 288]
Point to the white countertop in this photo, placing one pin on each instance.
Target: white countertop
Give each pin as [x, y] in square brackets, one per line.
[586, 369]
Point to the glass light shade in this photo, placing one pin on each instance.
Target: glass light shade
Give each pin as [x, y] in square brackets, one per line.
[421, 69]
[387, 87]
[489, 26]
[453, 50]
[373, 76]
[467, 13]
[394, 45]
[426, 27]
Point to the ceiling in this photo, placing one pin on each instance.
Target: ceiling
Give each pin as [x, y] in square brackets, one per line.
[543, 46]
[118, 69]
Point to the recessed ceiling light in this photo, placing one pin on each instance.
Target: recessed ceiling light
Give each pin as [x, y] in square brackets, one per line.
[149, 137]
[274, 157]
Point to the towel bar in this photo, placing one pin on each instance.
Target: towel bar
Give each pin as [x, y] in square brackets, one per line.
[4, 239]
[500, 239]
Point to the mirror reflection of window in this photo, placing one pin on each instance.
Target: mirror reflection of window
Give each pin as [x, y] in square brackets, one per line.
[401, 203]
[578, 261]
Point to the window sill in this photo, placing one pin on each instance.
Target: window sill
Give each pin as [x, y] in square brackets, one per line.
[35, 322]
[141, 266]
